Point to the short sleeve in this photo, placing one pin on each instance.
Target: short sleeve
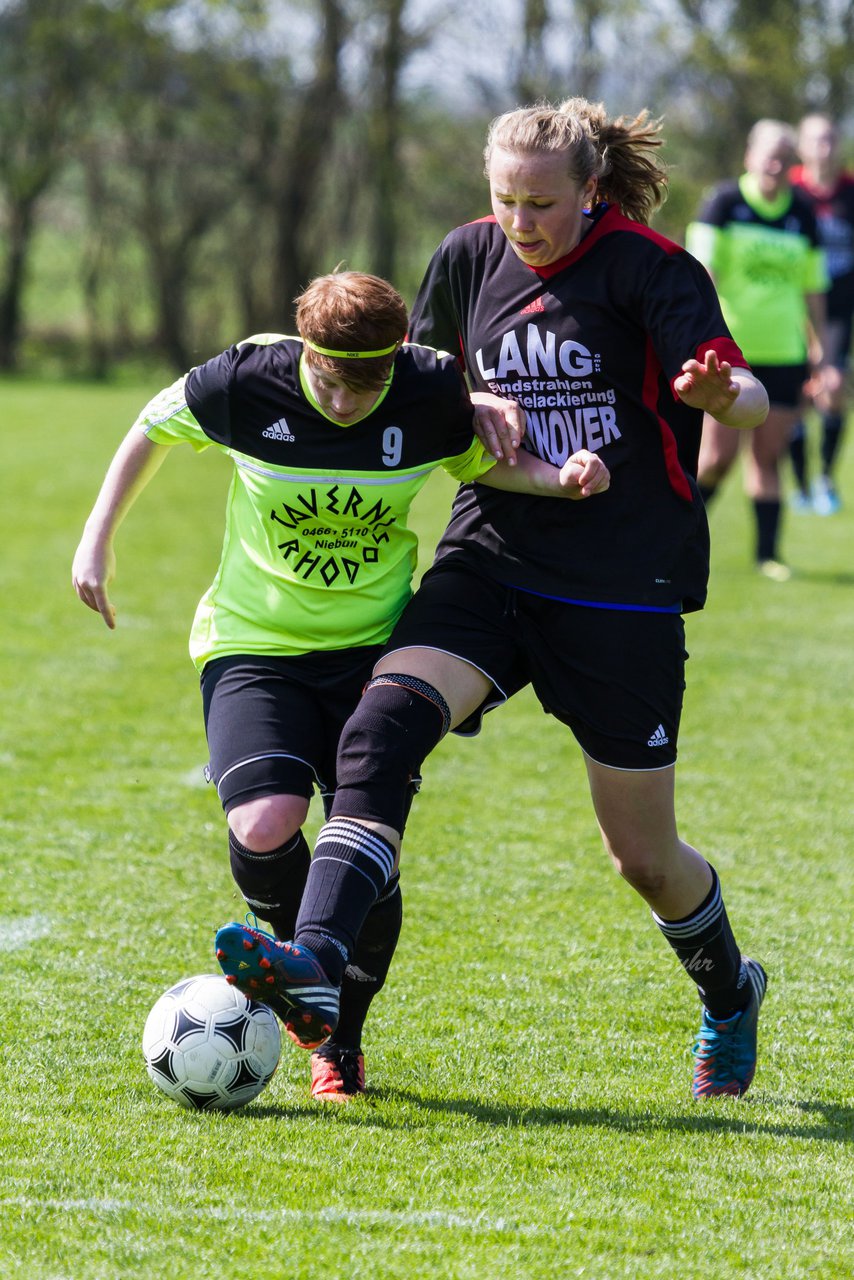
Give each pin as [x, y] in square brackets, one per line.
[208, 395]
[681, 312]
[471, 465]
[433, 321]
[168, 419]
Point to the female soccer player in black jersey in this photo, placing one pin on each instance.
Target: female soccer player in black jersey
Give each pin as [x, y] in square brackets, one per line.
[331, 435]
[612, 338]
[822, 178]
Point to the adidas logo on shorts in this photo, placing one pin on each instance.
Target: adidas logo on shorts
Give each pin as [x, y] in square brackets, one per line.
[659, 738]
[278, 431]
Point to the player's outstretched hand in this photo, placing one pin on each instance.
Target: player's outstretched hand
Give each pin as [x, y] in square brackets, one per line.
[499, 424]
[93, 570]
[585, 473]
[708, 386]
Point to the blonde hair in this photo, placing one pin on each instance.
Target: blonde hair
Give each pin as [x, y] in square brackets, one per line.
[619, 153]
[822, 120]
[772, 130]
[351, 311]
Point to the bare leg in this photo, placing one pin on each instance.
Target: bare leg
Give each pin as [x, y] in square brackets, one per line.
[718, 451]
[768, 445]
[637, 820]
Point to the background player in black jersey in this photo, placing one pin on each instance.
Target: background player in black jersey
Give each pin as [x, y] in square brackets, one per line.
[612, 336]
[331, 437]
[822, 178]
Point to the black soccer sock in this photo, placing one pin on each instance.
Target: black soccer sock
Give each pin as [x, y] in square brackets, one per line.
[272, 883]
[351, 866]
[707, 950]
[798, 456]
[365, 975]
[707, 492]
[767, 512]
[833, 426]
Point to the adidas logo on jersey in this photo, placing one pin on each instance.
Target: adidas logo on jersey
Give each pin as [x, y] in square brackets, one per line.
[532, 307]
[278, 431]
[659, 738]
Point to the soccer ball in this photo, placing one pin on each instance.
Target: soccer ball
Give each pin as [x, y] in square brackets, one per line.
[208, 1047]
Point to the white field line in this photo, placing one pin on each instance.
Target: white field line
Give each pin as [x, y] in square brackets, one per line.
[349, 1217]
[20, 931]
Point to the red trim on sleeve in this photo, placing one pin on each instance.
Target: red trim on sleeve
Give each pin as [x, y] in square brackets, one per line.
[725, 349]
[652, 371]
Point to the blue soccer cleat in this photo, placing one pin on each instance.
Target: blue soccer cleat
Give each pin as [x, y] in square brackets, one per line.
[287, 977]
[725, 1052]
[825, 499]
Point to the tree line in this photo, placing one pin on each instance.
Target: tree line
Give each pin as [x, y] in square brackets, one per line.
[177, 170]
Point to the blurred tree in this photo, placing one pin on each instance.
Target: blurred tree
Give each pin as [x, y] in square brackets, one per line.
[532, 60]
[206, 157]
[392, 47]
[48, 54]
[303, 154]
[742, 62]
[181, 131]
[383, 134]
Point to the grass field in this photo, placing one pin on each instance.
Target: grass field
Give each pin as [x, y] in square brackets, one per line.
[529, 1110]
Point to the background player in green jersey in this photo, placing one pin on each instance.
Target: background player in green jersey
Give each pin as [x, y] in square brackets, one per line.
[759, 240]
[331, 435]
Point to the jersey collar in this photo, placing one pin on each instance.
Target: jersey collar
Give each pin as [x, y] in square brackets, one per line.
[601, 220]
[770, 209]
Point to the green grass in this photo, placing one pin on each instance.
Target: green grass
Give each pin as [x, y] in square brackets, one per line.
[529, 1061]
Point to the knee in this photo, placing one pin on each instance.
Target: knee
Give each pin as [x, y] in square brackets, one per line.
[712, 470]
[645, 878]
[639, 867]
[398, 722]
[267, 823]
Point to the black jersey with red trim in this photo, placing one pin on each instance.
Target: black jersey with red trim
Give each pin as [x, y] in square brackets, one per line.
[834, 211]
[590, 345]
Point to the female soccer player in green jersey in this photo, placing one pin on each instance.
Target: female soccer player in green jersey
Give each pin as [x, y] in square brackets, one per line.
[759, 240]
[331, 434]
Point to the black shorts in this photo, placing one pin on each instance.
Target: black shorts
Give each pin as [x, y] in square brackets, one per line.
[273, 723]
[615, 677]
[783, 382]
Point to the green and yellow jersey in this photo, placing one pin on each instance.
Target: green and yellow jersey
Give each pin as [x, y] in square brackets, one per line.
[316, 554]
[765, 257]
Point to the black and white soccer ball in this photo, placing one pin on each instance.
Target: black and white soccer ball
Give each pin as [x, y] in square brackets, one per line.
[208, 1047]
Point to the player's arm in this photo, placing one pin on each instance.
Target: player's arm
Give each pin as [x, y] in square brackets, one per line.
[135, 462]
[732, 396]
[825, 380]
[499, 425]
[581, 476]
